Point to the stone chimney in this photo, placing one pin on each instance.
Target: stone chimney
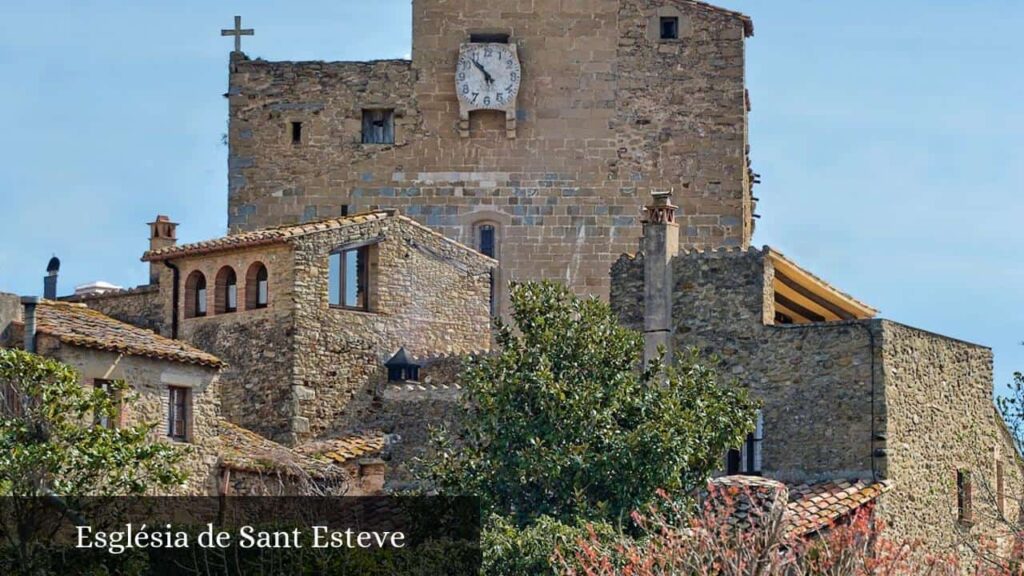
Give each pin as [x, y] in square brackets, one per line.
[371, 476]
[162, 233]
[30, 303]
[50, 280]
[660, 245]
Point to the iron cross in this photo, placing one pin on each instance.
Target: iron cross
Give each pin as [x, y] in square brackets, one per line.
[238, 32]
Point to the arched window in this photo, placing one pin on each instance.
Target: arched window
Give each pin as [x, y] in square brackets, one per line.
[226, 298]
[257, 286]
[195, 295]
[486, 235]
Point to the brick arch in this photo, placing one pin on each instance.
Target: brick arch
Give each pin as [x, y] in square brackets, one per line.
[225, 297]
[257, 286]
[195, 295]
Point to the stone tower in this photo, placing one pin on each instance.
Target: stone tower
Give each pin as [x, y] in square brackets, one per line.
[616, 99]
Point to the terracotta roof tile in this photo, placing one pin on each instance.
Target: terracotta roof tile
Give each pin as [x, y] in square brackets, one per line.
[242, 449]
[261, 237]
[815, 506]
[79, 325]
[280, 234]
[810, 507]
[341, 450]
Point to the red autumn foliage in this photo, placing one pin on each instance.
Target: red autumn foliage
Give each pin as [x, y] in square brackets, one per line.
[729, 535]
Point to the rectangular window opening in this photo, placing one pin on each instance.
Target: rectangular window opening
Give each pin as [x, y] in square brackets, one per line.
[748, 460]
[104, 420]
[177, 412]
[964, 503]
[344, 209]
[348, 273]
[378, 126]
[669, 28]
[489, 37]
[296, 132]
[201, 302]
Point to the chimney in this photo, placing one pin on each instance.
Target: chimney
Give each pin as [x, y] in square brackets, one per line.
[162, 233]
[50, 280]
[30, 303]
[660, 246]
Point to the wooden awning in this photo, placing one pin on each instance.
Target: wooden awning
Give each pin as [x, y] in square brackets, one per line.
[805, 298]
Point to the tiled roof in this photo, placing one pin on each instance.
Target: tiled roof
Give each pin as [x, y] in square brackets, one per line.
[280, 234]
[810, 507]
[79, 325]
[346, 448]
[242, 449]
[816, 506]
[263, 236]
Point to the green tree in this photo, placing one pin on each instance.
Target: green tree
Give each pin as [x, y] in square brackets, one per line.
[564, 422]
[55, 456]
[50, 443]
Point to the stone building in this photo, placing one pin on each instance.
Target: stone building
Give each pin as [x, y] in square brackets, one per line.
[601, 102]
[176, 388]
[306, 316]
[846, 395]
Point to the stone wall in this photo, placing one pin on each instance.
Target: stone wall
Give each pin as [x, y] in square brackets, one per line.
[814, 380]
[139, 306]
[430, 296]
[607, 112]
[940, 419]
[149, 379]
[10, 311]
[407, 412]
[257, 344]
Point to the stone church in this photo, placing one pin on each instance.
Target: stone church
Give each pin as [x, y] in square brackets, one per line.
[377, 211]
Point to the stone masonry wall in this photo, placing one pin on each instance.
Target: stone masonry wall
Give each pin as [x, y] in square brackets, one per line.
[430, 296]
[258, 344]
[149, 379]
[940, 418]
[607, 112]
[139, 306]
[814, 380]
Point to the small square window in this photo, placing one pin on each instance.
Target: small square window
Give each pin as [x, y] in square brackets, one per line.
[669, 28]
[296, 132]
[379, 126]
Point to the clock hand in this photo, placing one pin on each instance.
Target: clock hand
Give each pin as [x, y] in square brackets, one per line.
[487, 77]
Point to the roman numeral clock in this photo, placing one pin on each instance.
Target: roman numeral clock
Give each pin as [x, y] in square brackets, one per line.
[487, 78]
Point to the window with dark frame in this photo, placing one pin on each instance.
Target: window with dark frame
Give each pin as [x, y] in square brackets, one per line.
[262, 287]
[106, 386]
[349, 278]
[669, 28]
[964, 496]
[487, 245]
[378, 126]
[177, 416]
[748, 459]
[231, 292]
[296, 130]
[344, 209]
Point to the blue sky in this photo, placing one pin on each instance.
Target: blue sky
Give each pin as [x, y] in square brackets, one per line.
[888, 135]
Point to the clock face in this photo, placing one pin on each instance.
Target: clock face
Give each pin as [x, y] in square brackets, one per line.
[487, 76]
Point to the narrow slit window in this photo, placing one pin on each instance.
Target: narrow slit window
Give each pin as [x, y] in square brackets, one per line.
[296, 132]
[378, 126]
[349, 280]
[487, 244]
[106, 386]
[669, 28]
[964, 496]
[177, 412]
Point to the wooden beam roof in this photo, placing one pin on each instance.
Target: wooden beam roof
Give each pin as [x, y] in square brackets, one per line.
[806, 298]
